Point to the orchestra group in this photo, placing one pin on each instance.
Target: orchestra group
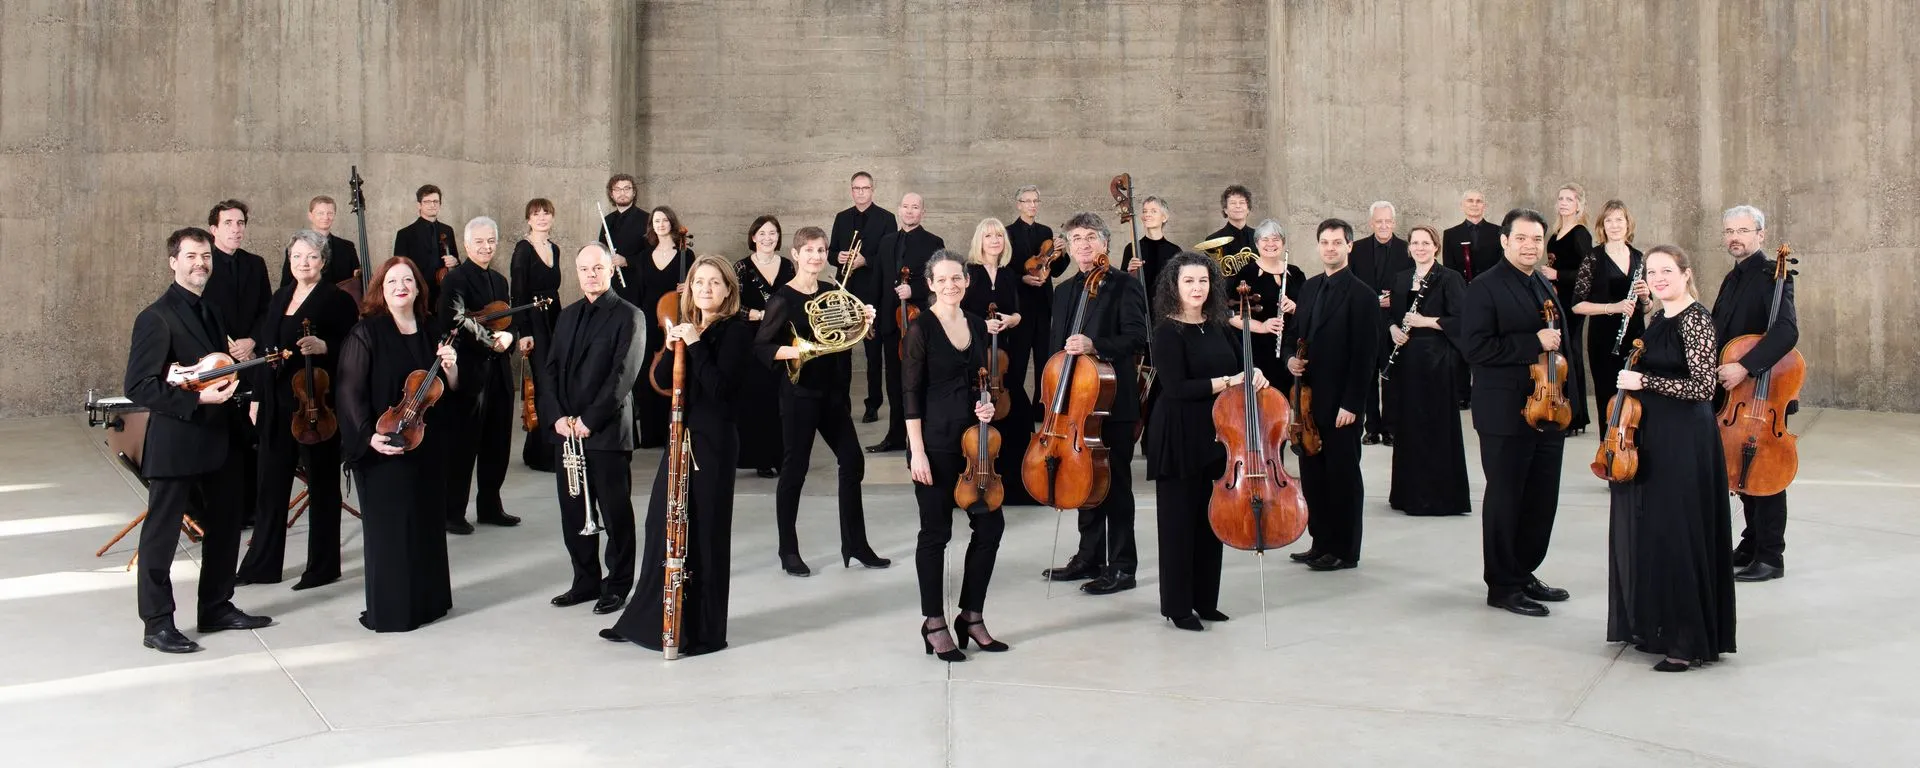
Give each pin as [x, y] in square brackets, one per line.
[1216, 361]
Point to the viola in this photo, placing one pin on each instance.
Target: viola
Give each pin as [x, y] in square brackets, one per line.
[1041, 264]
[313, 421]
[529, 404]
[1547, 408]
[1762, 456]
[1618, 459]
[405, 422]
[217, 368]
[996, 382]
[1301, 431]
[906, 313]
[1255, 505]
[667, 311]
[1065, 466]
[980, 489]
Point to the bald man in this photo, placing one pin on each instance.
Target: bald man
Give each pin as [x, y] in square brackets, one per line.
[906, 249]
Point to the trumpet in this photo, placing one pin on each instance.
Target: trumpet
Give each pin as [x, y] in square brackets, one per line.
[573, 461]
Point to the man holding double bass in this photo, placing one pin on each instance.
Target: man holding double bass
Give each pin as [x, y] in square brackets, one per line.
[1743, 306]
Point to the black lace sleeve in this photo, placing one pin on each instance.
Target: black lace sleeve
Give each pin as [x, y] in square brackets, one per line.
[1696, 332]
[1583, 285]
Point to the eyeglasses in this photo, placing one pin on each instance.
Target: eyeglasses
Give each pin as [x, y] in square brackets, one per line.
[863, 189]
[1743, 232]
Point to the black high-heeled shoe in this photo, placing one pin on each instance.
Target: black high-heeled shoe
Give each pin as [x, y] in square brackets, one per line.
[867, 560]
[1669, 665]
[794, 566]
[1189, 622]
[963, 632]
[926, 638]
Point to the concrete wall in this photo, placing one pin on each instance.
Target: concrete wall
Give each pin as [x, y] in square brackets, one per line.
[122, 121]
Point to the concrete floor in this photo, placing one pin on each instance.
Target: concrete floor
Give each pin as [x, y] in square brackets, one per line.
[1396, 663]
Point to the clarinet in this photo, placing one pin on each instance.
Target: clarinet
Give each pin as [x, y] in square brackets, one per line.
[1620, 338]
[1406, 323]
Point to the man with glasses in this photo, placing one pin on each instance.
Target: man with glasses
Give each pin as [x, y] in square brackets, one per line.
[1743, 307]
[870, 222]
[428, 241]
[629, 224]
[1024, 238]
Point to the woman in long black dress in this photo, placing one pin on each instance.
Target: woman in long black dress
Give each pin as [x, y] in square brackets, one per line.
[1197, 356]
[993, 282]
[402, 517]
[1605, 294]
[1154, 249]
[1263, 276]
[758, 405]
[1569, 245]
[535, 274]
[1429, 457]
[719, 349]
[662, 268]
[309, 317]
[1670, 579]
[945, 349]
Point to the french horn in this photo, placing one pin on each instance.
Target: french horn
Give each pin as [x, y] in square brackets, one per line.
[1229, 263]
[839, 321]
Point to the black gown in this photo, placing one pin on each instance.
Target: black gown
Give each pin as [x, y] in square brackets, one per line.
[531, 279]
[1154, 255]
[1424, 391]
[1003, 291]
[1566, 253]
[1601, 282]
[1266, 350]
[401, 509]
[715, 369]
[1670, 577]
[1185, 456]
[757, 406]
[651, 407]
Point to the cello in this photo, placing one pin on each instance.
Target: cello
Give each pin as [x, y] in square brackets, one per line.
[1255, 505]
[1762, 456]
[1547, 408]
[980, 489]
[1065, 466]
[1618, 458]
[666, 311]
[313, 421]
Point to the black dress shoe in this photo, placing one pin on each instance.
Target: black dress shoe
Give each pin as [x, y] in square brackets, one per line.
[1386, 438]
[872, 415]
[867, 560]
[566, 599]
[235, 619]
[1539, 590]
[612, 635]
[794, 566]
[608, 604]
[1742, 555]
[459, 527]
[1111, 582]
[1331, 563]
[309, 582]
[886, 446]
[1518, 603]
[170, 640]
[1759, 571]
[503, 520]
[767, 473]
[1076, 569]
[1211, 615]
[1305, 557]
[1189, 623]
[1370, 439]
[1671, 666]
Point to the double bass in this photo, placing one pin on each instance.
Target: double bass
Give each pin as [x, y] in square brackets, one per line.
[1618, 458]
[1065, 466]
[980, 489]
[1762, 456]
[357, 287]
[1121, 188]
[1255, 505]
[666, 311]
[313, 421]
[1547, 408]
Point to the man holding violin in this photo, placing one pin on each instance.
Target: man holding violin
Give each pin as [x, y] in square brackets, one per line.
[484, 406]
[193, 445]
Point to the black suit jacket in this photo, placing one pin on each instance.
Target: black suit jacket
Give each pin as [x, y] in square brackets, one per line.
[238, 287]
[184, 438]
[901, 250]
[1375, 263]
[422, 242]
[629, 228]
[873, 225]
[1023, 241]
[470, 287]
[1340, 318]
[342, 261]
[1116, 321]
[1498, 323]
[1746, 297]
[1481, 240]
[594, 378]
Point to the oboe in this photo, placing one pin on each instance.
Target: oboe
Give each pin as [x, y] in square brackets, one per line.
[1406, 323]
[673, 590]
[1620, 338]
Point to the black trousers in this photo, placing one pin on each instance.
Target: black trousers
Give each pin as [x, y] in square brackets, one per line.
[896, 394]
[880, 357]
[832, 419]
[1766, 532]
[1106, 530]
[483, 437]
[1516, 518]
[267, 549]
[219, 510]
[610, 481]
[1377, 412]
[1335, 491]
[936, 529]
[1189, 552]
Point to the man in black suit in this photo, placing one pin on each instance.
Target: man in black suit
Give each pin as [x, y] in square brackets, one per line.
[871, 223]
[191, 442]
[1744, 303]
[482, 408]
[1473, 245]
[239, 290]
[341, 257]
[428, 241]
[1502, 332]
[1115, 330]
[1236, 204]
[1375, 261]
[1337, 316]
[598, 346]
[906, 249]
[1025, 235]
[629, 225]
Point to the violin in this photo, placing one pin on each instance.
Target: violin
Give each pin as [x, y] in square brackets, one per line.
[529, 405]
[405, 423]
[446, 249]
[1618, 459]
[906, 313]
[1301, 431]
[979, 489]
[313, 421]
[996, 383]
[667, 312]
[1065, 466]
[1762, 456]
[217, 368]
[1255, 505]
[1040, 265]
[494, 317]
[1548, 409]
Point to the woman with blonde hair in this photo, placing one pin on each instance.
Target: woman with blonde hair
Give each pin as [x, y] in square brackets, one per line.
[992, 280]
[1567, 245]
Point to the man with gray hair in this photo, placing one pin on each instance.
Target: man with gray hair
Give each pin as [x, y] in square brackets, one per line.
[1743, 307]
[479, 415]
[1375, 261]
[1025, 235]
[1473, 245]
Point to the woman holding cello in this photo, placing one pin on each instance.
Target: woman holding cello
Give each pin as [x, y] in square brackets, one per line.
[1197, 357]
[310, 317]
[1670, 577]
[400, 489]
[946, 350]
[661, 271]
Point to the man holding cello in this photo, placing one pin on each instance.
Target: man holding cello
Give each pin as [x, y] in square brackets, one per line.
[1742, 308]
